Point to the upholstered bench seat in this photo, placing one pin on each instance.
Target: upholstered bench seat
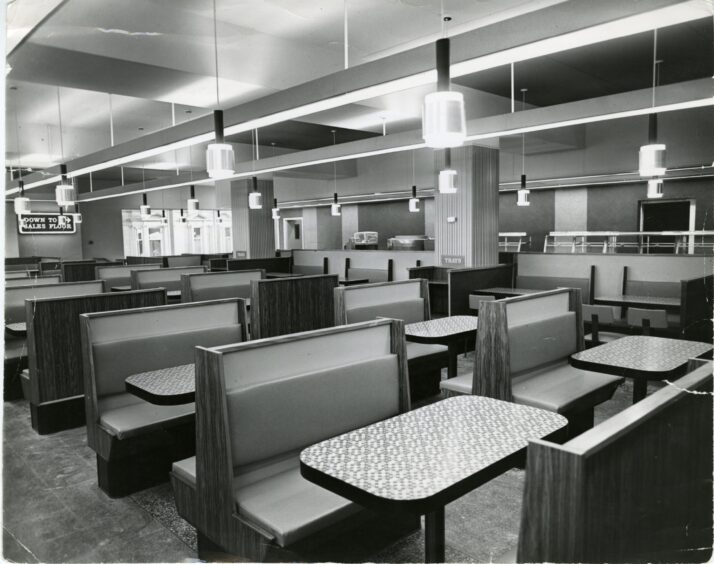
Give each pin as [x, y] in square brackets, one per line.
[420, 350]
[460, 385]
[604, 337]
[561, 388]
[284, 504]
[124, 415]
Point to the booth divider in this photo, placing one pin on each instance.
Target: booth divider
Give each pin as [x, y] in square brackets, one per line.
[462, 281]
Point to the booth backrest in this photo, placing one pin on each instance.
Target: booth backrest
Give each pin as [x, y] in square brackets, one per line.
[82, 270]
[183, 260]
[553, 282]
[605, 314]
[371, 274]
[54, 342]
[635, 488]
[218, 285]
[15, 297]
[290, 305]
[463, 281]
[273, 264]
[17, 275]
[696, 309]
[158, 261]
[659, 289]
[284, 394]
[404, 299]
[520, 334]
[39, 281]
[169, 278]
[118, 344]
[118, 275]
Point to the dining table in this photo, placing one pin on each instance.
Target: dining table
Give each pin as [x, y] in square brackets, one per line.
[449, 331]
[18, 329]
[352, 281]
[282, 275]
[646, 302]
[500, 292]
[121, 288]
[641, 358]
[174, 385]
[421, 460]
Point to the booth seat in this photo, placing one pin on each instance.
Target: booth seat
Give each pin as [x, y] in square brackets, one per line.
[522, 349]
[635, 488]
[407, 300]
[243, 490]
[218, 285]
[136, 441]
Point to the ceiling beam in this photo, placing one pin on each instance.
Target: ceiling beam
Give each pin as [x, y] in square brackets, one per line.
[555, 28]
[483, 131]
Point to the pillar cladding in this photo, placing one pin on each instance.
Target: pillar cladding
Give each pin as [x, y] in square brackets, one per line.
[253, 230]
[466, 223]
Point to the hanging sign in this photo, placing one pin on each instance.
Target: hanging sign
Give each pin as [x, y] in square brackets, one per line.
[46, 223]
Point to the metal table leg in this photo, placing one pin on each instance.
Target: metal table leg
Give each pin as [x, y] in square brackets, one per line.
[434, 536]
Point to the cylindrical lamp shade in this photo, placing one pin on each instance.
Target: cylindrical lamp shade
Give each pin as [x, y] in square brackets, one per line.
[523, 198]
[654, 188]
[414, 205]
[335, 209]
[64, 194]
[652, 160]
[220, 160]
[444, 120]
[192, 205]
[145, 210]
[77, 218]
[255, 201]
[22, 205]
[447, 181]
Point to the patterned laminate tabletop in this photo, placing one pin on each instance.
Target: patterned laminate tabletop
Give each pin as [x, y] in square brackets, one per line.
[176, 384]
[643, 353]
[423, 452]
[20, 327]
[442, 327]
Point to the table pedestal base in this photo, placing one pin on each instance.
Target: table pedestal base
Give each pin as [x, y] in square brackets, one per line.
[434, 536]
[639, 389]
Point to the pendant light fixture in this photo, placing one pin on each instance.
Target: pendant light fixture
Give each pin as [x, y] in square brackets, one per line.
[181, 216]
[22, 204]
[255, 198]
[220, 159]
[654, 188]
[335, 206]
[219, 219]
[652, 155]
[523, 192]
[447, 177]
[64, 191]
[413, 201]
[192, 202]
[443, 115]
[144, 208]
[276, 209]
[164, 219]
[76, 214]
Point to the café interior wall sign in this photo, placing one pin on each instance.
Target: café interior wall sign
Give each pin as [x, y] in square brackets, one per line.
[46, 223]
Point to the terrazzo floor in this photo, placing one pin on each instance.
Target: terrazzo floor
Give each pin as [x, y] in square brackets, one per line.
[53, 510]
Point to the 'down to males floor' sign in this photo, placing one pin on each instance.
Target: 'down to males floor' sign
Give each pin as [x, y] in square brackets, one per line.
[46, 224]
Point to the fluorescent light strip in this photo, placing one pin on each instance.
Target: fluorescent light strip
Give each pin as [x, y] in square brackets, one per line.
[660, 18]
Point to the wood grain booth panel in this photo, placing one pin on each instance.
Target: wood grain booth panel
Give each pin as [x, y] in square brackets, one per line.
[291, 305]
[636, 488]
[462, 281]
[79, 271]
[54, 343]
[145, 260]
[275, 264]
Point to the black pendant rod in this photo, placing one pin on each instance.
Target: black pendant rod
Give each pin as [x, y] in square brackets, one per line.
[218, 125]
[443, 58]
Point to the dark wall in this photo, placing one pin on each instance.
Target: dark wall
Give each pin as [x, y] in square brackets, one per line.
[616, 208]
[537, 220]
[390, 219]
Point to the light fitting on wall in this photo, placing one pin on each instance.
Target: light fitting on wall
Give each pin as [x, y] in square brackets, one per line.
[414, 201]
[523, 193]
[76, 214]
[220, 159]
[654, 188]
[335, 206]
[192, 202]
[276, 209]
[22, 204]
[144, 208]
[164, 219]
[652, 155]
[219, 219]
[443, 115]
[255, 198]
[182, 218]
